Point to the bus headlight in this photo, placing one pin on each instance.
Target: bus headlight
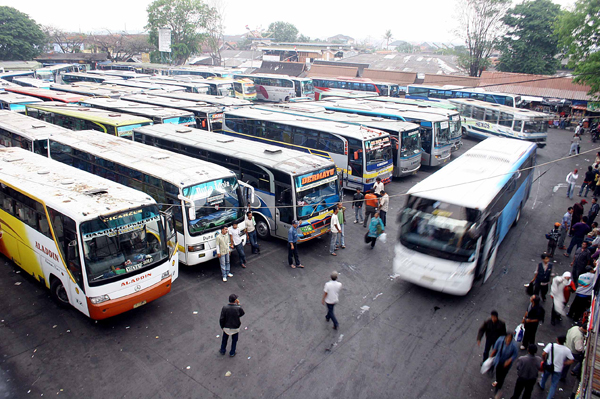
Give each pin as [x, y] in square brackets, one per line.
[99, 299]
[463, 271]
[195, 248]
[165, 275]
[370, 180]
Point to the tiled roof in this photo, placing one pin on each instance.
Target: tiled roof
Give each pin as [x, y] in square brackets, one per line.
[405, 78]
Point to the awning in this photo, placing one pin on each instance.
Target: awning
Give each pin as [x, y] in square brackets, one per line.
[579, 107]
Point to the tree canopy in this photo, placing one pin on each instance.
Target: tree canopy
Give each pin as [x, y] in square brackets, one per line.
[283, 31]
[579, 38]
[185, 18]
[21, 38]
[530, 44]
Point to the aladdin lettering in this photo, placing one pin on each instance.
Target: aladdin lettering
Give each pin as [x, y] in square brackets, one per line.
[135, 280]
[318, 176]
[46, 251]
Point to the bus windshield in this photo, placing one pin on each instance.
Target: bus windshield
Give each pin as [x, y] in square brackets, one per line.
[455, 128]
[181, 120]
[313, 198]
[249, 88]
[216, 203]
[307, 87]
[122, 243]
[535, 127]
[443, 133]
[44, 75]
[377, 151]
[225, 90]
[439, 229]
[383, 90]
[411, 143]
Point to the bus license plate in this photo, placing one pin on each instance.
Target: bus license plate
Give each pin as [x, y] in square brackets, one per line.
[137, 305]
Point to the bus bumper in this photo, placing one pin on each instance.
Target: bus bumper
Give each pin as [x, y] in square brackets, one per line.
[432, 273]
[319, 227]
[457, 145]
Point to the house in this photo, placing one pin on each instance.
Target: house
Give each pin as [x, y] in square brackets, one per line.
[343, 39]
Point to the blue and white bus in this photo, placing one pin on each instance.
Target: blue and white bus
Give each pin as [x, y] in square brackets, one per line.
[446, 92]
[454, 220]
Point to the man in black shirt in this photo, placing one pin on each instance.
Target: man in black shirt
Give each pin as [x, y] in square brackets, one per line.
[230, 323]
[493, 328]
[357, 204]
[528, 367]
[588, 180]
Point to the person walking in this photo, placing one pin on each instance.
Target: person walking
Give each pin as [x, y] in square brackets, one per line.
[293, 246]
[583, 294]
[236, 238]
[588, 180]
[251, 235]
[371, 204]
[230, 323]
[555, 357]
[578, 211]
[384, 206]
[336, 232]
[534, 315]
[223, 253]
[505, 352]
[557, 291]
[565, 228]
[378, 187]
[575, 341]
[581, 261]
[376, 228]
[331, 293]
[493, 328]
[594, 209]
[357, 205]
[541, 278]
[342, 219]
[571, 181]
[579, 229]
[528, 367]
[552, 238]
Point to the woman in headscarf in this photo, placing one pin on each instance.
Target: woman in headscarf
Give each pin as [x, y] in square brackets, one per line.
[559, 299]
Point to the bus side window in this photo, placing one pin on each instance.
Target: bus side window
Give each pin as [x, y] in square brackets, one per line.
[506, 119]
[478, 113]
[518, 126]
[355, 157]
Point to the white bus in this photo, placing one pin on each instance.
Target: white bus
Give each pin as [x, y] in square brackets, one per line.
[142, 85]
[205, 71]
[289, 184]
[88, 91]
[446, 92]
[323, 85]
[204, 196]
[73, 77]
[483, 119]
[99, 246]
[119, 74]
[205, 98]
[361, 154]
[406, 141]
[454, 220]
[18, 130]
[16, 102]
[53, 73]
[278, 88]
[189, 86]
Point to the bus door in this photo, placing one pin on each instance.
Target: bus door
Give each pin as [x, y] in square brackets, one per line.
[284, 211]
[171, 233]
[298, 87]
[354, 174]
[426, 132]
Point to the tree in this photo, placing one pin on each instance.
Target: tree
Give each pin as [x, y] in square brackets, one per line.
[121, 46]
[405, 47]
[579, 38]
[214, 31]
[67, 42]
[186, 18]
[21, 38]
[303, 39]
[480, 27]
[388, 38]
[283, 31]
[531, 44]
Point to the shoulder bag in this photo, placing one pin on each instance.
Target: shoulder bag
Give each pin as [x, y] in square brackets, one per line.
[550, 367]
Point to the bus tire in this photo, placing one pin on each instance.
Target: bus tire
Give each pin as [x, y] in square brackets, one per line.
[58, 292]
[262, 228]
[464, 132]
[287, 99]
[518, 217]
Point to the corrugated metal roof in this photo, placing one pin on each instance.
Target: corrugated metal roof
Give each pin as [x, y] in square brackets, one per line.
[326, 70]
[421, 63]
[282, 68]
[534, 85]
[404, 78]
[441, 80]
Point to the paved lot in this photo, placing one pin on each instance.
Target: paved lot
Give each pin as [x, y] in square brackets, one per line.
[396, 340]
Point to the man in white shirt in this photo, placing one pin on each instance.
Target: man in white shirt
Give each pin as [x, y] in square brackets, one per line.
[336, 232]
[576, 344]
[384, 206]
[557, 355]
[235, 233]
[378, 187]
[251, 235]
[331, 297]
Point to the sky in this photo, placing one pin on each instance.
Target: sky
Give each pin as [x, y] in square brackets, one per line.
[422, 20]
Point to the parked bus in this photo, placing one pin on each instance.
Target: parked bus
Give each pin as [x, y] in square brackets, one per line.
[454, 220]
[99, 246]
[230, 87]
[415, 101]
[243, 88]
[406, 142]
[76, 77]
[10, 75]
[32, 82]
[449, 91]
[288, 184]
[120, 74]
[137, 67]
[16, 102]
[325, 84]
[204, 197]
[189, 86]
[103, 86]
[54, 73]
[208, 117]
[205, 72]
[84, 118]
[434, 128]
[145, 86]
[361, 154]
[155, 113]
[482, 120]
[46, 95]
[331, 94]
[205, 98]
[278, 88]
[88, 91]
[18, 130]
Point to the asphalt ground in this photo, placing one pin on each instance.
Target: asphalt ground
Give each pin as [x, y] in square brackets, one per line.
[396, 340]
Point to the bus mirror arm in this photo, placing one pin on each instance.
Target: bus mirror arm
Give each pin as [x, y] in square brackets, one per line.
[192, 207]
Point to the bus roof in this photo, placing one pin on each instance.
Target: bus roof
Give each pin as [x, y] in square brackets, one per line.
[112, 87]
[435, 104]
[31, 82]
[15, 98]
[284, 159]
[48, 95]
[475, 178]
[315, 111]
[78, 194]
[148, 111]
[91, 76]
[421, 107]
[380, 109]
[56, 67]
[143, 85]
[272, 75]
[28, 127]
[147, 98]
[180, 170]
[349, 79]
[92, 114]
[517, 112]
[86, 90]
[293, 120]
[216, 100]
[124, 74]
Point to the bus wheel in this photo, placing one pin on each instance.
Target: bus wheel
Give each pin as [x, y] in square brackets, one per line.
[262, 229]
[518, 217]
[59, 293]
[464, 132]
[287, 99]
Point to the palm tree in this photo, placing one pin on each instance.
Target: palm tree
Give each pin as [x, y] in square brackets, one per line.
[388, 38]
